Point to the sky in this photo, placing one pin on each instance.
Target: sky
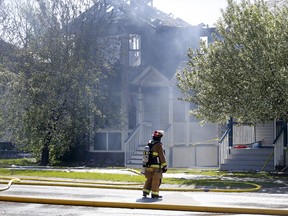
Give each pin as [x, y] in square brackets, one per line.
[193, 12]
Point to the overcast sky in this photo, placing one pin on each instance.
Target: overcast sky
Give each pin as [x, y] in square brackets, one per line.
[193, 11]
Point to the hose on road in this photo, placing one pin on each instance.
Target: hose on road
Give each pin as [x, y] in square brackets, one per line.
[9, 184]
[143, 205]
[140, 204]
[126, 186]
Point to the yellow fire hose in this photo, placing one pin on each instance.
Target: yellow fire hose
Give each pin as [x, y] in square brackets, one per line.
[130, 186]
[127, 186]
[9, 184]
[154, 206]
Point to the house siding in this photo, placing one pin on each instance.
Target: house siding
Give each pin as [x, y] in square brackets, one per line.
[265, 133]
[201, 155]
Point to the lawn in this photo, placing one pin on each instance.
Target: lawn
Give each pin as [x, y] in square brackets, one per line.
[232, 180]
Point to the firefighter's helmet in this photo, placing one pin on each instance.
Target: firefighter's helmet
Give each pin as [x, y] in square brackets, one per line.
[158, 133]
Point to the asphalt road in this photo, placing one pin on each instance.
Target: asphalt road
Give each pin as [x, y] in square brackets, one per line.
[254, 200]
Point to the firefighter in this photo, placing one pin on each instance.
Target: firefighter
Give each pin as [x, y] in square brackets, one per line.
[155, 166]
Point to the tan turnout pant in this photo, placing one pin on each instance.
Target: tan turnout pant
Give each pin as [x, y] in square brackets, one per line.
[153, 180]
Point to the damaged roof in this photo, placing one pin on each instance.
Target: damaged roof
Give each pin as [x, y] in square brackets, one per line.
[133, 10]
[138, 9]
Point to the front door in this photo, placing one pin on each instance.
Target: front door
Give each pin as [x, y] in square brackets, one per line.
[156, 107]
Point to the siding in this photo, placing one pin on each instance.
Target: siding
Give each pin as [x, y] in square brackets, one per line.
[202, 155]
[243, 134]
[265, 132]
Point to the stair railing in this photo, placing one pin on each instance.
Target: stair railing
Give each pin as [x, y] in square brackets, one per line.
[167, 138]
[279, 148]
[140, 136]
[167, 141]
[133, 142]
[224, 149]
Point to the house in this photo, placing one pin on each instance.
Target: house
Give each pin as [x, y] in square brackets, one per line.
[153, 47]
[150, 46]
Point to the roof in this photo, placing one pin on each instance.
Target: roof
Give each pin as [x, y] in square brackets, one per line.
[133, 10]
[151, 77]
[142, 11]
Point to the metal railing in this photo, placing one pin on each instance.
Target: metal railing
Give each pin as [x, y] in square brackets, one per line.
[132, 143]
[167, 138]
[136, 139]
[279, 149]
[224, 146]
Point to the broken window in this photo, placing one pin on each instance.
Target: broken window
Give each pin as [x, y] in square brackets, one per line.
[134, 50]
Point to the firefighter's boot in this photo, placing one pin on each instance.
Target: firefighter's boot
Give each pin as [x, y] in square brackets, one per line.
[145, 194]
[156, 196]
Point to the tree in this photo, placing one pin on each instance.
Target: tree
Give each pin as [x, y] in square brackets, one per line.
[244, 73]
[54, 92]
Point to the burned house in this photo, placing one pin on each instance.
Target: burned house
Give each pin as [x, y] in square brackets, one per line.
[149, 47]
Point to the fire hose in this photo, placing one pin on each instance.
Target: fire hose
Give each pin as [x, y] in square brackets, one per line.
[9, 184]
[130, 186]
[126, 186]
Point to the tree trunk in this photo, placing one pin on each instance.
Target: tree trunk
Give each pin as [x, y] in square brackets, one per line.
[44, 156]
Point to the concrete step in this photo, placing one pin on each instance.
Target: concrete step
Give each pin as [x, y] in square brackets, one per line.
[254, 159]
[137, 157]
[248, 162]
[241, 167]
[138, 153]
[251, 151]
[251, 157]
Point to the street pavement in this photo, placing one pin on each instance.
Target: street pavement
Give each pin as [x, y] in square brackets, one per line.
[202, 199]
[275, 198]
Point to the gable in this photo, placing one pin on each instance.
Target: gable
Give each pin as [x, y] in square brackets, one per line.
[150, 77]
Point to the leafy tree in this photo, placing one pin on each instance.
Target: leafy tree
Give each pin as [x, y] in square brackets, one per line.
[54, 94]
[244, 73]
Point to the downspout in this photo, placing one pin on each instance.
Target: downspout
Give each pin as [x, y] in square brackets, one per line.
[124, 61]
[170, 142]
[140, 113]
[285, 147]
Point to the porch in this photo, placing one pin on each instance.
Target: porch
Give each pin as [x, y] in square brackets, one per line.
[265, 150]
[186, 145]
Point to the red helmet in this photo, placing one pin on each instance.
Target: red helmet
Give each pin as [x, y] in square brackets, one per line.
[158, 133]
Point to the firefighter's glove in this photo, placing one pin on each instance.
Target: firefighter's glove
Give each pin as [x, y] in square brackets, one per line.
[164, 169]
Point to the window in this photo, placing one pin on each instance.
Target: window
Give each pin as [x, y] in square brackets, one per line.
[134, 50]
[100, 141]
[114, 141]
[104, 141]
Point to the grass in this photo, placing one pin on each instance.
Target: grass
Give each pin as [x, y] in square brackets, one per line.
[197, 183]
[72, 175]
[269, 180]
[18, 162]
